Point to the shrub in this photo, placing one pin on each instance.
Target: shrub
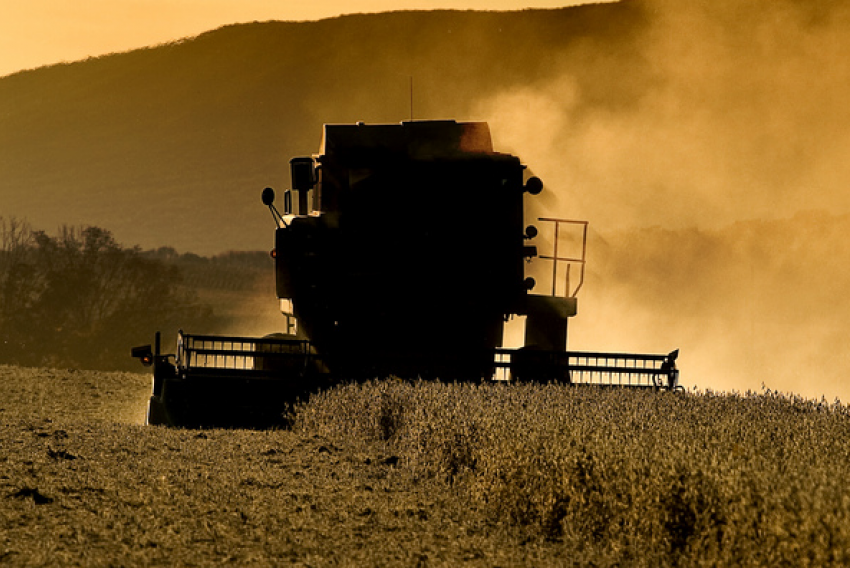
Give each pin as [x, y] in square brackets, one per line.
[80, 299]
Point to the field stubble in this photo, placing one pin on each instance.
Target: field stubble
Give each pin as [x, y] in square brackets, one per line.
[400, 473]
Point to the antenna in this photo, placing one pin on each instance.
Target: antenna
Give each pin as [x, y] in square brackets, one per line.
[411, 98]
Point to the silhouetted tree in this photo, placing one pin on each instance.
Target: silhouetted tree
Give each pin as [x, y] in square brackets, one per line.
[81, 299]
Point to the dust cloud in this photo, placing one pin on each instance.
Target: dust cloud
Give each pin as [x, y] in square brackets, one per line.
[716, 195]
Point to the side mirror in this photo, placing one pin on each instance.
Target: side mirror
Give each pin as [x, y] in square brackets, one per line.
[268, 196]
[268, 201]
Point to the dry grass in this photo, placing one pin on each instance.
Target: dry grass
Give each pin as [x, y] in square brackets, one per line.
[621, 477]
[429, 474]
[130, 495]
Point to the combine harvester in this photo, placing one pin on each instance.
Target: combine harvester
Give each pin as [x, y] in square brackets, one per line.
[401, 250]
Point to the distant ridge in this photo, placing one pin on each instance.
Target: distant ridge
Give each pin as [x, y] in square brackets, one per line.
[171, 145]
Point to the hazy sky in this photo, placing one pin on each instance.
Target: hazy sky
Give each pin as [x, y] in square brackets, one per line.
[41, 32]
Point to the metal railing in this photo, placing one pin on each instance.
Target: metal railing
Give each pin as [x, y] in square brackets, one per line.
[239, 353]
[268, 357]
[569, 261]
[589, 368]
[622, 369]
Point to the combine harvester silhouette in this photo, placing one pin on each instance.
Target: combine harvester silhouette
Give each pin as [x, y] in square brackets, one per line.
[401, 250]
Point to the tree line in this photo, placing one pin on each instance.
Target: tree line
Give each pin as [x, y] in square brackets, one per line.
[80, 299]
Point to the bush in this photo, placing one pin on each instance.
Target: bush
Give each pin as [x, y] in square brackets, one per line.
[80, 299]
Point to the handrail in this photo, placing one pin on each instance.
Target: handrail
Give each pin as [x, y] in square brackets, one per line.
[236, 352]
[581, 261]
[593, 368]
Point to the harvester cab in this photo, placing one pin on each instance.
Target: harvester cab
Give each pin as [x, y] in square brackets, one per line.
[401, 250]
[406, 253]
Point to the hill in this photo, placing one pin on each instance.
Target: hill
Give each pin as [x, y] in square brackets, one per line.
[688, 117]
[637, 113]
[172, 145]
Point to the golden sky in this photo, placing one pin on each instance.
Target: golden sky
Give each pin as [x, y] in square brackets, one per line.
[41, 32]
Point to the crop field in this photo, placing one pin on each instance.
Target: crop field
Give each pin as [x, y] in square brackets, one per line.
[400, 473]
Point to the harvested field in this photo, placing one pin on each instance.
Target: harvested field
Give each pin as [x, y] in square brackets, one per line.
[429, 474]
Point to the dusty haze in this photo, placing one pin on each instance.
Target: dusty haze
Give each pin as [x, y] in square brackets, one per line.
[737, 123]
[722, 125]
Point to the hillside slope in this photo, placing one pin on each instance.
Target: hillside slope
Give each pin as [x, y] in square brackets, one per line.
[172, 145]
